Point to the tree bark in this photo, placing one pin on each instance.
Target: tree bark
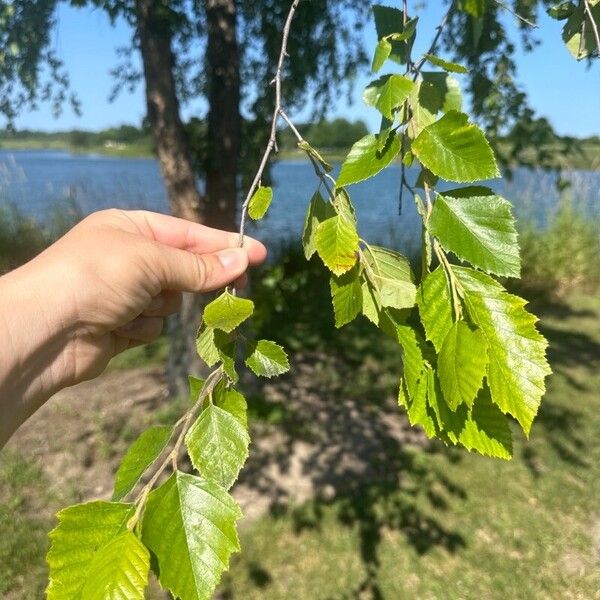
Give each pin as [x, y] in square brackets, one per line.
[218, 207]
[155, 35]
[224, 121]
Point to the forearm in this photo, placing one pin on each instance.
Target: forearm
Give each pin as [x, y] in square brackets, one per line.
[33, 334]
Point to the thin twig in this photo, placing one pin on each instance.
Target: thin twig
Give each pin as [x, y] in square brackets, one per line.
[276, 114]
[515, 14]
[588, 10]
[436, 39]
[185, 421]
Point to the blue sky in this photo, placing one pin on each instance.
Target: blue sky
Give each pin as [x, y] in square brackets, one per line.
[566, 92]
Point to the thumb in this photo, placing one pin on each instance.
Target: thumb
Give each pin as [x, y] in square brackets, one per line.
[185, 271]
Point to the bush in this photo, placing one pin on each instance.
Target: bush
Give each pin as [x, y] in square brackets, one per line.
[563, 255]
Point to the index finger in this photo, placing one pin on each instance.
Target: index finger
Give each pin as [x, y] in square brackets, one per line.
[193, 237]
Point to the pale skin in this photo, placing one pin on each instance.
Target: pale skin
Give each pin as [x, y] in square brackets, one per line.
[104, 287]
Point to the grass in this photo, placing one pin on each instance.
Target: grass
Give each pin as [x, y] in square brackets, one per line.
[457, 525]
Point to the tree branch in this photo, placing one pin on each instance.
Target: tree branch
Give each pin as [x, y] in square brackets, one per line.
[515, 14]
[272, 143]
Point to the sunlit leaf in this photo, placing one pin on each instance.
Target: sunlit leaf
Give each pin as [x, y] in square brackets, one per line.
[452, 67]
[317, 212]
[267, 359]
[388, 93]
[190, 526]
[337, 243]
[455, 150]
[228, 312]
[346, 295]
[260, 202]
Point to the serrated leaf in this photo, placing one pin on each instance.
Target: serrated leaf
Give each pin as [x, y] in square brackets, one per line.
[346, 295]
[227, 312]
[368, 156]
[230, 400]
[82, 530]
[206, 346]
[141, 454]
[267, 359]
[343, 205]
[217, 444]
[435, 307]
[391, 276]
[517, 351]
[304, 145]
[119, 570]
[413, 391]
[477, 226]
[317, 212]
[337, 243]
[452, 67]
[487, 430]
[388, 93]
[190, 526]
[483, 428]
[455, 150]
[578, 23]
[389, 21]
[260, 202]
[382, 53]
[462, 365]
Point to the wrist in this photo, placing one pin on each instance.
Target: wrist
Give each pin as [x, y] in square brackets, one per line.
[34, 329]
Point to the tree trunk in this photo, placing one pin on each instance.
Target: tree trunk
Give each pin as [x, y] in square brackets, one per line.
[218, 207]
[223, 70]
[154, 30]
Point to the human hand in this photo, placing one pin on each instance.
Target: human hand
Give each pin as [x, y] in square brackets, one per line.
[104, 287]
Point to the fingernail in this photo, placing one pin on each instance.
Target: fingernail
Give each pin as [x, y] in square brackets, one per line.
[232, 259]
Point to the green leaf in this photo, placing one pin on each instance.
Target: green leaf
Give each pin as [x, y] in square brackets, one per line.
[435, 307]
[304, 145]
[346, 295]
[462, 365]
[388, 93]
[445, 92]
[478, 226]
[371, 305]
[483, 428]
[230, 400]
[413, 389]
[578, 22]
[455, 150]
[391, 276]
[487, 430]
[141, 454]
[452, 67]
[389, 21]
[82, 531]
[433, 93]
[318, 211]
[368, 156]
[260, 202]
[206, 346]
[189, 525]
[516, 350]
[267, 359]
[561, 11]
[196, 386]
[228, 312]
[227, 355]
[217, 444]
[337, 243]
[382, 53]
[119, 570]
[343, 205]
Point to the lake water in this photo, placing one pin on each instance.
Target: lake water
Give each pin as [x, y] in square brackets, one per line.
[39, 181]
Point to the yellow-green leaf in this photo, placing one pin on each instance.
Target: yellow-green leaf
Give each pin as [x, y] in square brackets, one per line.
[260, 202]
